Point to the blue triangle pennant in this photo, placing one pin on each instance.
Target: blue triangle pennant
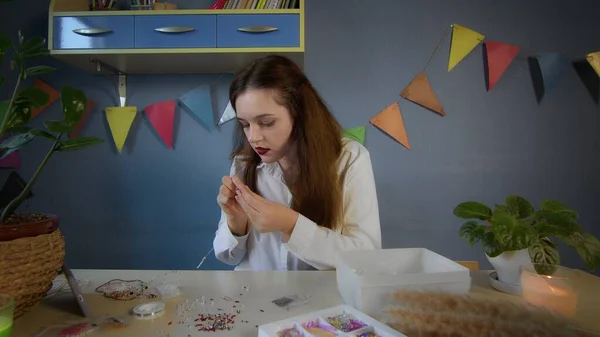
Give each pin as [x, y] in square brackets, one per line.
[199, 103]
[551, 67]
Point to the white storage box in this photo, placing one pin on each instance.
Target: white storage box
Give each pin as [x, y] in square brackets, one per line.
[367, 278]
[319, 320]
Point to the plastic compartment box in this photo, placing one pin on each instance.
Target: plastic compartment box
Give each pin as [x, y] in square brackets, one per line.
[303, 323]
[367, 278]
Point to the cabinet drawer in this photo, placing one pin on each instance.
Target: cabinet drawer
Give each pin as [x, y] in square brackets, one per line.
[93, 32]
[258, 30]
[176, 31]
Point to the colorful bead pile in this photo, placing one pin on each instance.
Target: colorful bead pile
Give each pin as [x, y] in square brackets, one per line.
[290, 332]
[345, 323]
[215, 322]
[321, 330]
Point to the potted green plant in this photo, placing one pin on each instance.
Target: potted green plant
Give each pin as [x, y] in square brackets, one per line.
[16, 133]
[515, 234]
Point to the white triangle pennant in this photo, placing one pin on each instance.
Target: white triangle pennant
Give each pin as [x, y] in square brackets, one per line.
[227, 115]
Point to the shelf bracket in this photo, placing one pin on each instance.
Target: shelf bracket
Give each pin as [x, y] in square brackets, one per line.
[122, 87]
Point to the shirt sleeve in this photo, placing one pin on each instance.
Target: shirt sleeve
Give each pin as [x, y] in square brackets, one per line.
[318, 246]
[229, 248]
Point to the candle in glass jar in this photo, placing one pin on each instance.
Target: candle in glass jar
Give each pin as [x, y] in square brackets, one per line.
[548, 292]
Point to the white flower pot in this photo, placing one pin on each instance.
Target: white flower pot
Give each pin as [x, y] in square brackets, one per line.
[507, 265]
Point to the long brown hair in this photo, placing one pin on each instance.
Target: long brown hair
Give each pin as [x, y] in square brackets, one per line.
[317, 136]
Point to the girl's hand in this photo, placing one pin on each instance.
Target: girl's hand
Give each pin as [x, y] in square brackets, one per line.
[264, 215]
[236, 217]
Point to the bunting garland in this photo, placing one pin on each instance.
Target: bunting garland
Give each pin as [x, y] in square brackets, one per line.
[52, 93]
[120, 120]
[464, 40]
[498, 56]
[11, 161]
[546, 70]
[419, 91]
[162, 117]
[594, 60]
[357, 134]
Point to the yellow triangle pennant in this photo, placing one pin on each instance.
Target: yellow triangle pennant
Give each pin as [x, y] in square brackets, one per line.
[120, 120]
[464, 40]
[594, 60]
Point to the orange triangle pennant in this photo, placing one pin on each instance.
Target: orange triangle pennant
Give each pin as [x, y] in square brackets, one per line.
[390, 121]
[420, 92]
[53, 93]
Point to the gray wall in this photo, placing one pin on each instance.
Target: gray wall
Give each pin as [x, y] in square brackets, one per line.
[359, 55]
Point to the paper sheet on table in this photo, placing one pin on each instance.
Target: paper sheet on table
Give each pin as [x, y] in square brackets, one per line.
[120, 120]
[464, 40]
[228, 114]
[79, 126]
[499, 56]
[419, 91]
[162, 117]
[198, 102]
[390, 121]
[357, 133]
[594, 60]
[52, 93]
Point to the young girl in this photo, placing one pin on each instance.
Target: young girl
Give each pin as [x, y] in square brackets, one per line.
[297, 193]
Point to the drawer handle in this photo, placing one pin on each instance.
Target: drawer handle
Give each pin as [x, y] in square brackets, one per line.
[91, 31]
[257, 29]
[174, 29]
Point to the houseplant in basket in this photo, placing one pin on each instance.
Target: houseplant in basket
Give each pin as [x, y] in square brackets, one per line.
[31, 245]
[514, 234]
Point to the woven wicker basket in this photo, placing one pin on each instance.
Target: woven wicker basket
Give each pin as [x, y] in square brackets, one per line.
[28, 266]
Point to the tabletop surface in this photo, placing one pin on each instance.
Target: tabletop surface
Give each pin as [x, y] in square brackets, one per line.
[253, 291]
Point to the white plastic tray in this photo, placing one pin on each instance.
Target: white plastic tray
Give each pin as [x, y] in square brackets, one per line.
[299, 322]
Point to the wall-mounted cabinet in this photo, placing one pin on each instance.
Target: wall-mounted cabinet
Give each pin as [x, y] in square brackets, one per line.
[172, 41]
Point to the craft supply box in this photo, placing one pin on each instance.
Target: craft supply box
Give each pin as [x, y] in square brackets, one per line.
[371, 326]
[366, 279]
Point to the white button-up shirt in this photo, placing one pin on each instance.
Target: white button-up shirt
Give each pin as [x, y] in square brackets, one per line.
[310, 246]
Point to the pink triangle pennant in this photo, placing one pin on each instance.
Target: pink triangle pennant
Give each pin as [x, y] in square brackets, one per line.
[499, 57]
[11, 161]
[162, 117]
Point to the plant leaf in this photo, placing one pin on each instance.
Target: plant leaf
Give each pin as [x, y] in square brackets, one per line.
[20, 115]
[42, 133]
[34, 47]
[38, 70]
[74, 103]
[14, 143]
[553, 205]
[34, 96]
[79, 143]
[512, 233]
[587, 246]
[57, 126]
[3, 109]
[555, 223]
[543, 250]
[4, 42]
[473, 210]
[519, 206]
[472, 231]
[491, 246]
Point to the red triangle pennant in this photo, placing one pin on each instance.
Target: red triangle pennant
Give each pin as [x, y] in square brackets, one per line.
[419, 91]
[162, 117]
[499, 57]
[79, 126]
[11, 161]
[53, 93]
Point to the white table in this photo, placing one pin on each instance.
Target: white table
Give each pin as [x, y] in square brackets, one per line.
[262, 288]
